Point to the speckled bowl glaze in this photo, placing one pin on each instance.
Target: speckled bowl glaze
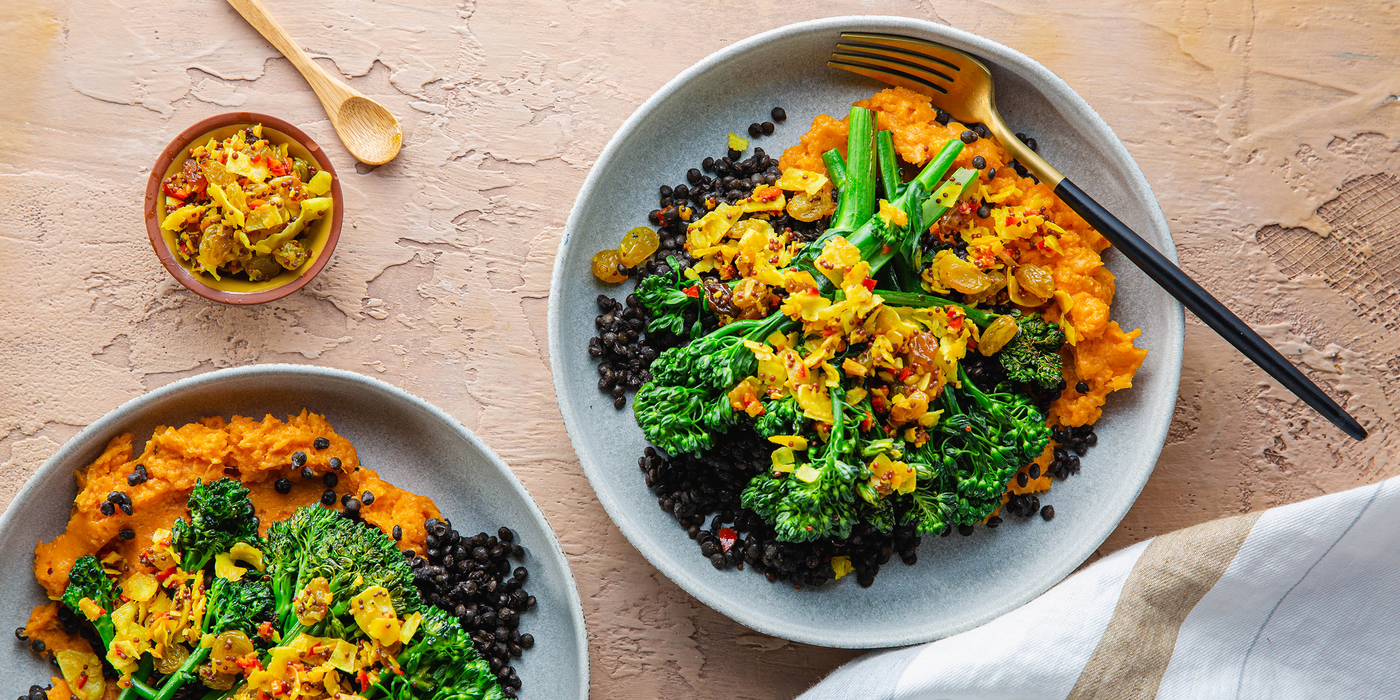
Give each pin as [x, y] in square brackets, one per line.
[959, 582]
[410, 442]
[321, 236]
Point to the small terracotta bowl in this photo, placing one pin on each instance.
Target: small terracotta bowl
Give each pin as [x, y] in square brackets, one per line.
[324, 233]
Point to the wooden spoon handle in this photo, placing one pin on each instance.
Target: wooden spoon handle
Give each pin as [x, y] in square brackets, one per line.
[331, 92]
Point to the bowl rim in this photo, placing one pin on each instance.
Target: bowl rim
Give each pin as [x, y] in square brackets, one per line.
[113, 421]
[177, 146]
[1054, 87]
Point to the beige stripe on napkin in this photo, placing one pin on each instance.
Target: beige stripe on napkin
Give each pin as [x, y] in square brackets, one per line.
[1172, 575]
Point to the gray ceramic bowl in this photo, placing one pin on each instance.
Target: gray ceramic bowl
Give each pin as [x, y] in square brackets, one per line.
[408, 441]
[959, 582]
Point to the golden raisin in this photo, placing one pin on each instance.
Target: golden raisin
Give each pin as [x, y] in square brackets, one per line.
[1036, 280]
[638, 245]
[997, 335]
[962, 275]
[605, 266]
[810, 207]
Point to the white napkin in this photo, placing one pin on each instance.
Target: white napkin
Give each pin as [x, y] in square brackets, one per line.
[1301, 601]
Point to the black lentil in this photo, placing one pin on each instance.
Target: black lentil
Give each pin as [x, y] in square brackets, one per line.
[126, 508]
[471, 577]
[778, 114]
[397, 533]
[968, 136]
[308, 473]
[334, 463]
[942, 117]
[298, 459]
[20, 635]
[768, 128]
[38, 646]
[328, 498]
[283, 486]
[367, 498]
[979, 162]
[1048, 513]
[1082, 387]
[351, 504]
[107, 508]
[755, 130]
[330, 480]
[137, 476]
[127, 534]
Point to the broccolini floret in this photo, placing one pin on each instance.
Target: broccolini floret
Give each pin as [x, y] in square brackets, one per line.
[221, 515]
[816, 499]
[87, 580]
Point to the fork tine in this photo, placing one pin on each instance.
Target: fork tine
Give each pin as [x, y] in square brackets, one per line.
[892, 77]
[923, 66]
[946, 55]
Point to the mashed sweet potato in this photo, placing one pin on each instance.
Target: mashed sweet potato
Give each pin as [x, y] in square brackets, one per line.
[258, 453]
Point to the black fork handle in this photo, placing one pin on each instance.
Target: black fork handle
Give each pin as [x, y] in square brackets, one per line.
[1206, 307]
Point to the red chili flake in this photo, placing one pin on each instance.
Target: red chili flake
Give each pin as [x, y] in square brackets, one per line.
[884, 249]
[265, 631]
[812, 291]
[692, 291]
[363, 678]
[82, 681]
[727, 538]
[868, 284]
[1010, 220]
[867, 422]
[165, 574]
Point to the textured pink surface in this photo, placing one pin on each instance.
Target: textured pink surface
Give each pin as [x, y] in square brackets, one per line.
[1245, 117]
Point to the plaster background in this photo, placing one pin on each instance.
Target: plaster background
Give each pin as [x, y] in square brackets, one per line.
[1268, 130]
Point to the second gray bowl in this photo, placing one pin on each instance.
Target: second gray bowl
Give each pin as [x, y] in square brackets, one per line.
[959, 582]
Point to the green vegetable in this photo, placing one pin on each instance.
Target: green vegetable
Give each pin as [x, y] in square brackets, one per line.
[239, 605]
[858, 194]
[780, 417]
[1033, 355]
[685, 401]
[817, 499]
[835, 168]
[974, 450]
[665, 298]
[441, 664]
[87, 580]
[889, 165]
[220, 516]
[319, 542]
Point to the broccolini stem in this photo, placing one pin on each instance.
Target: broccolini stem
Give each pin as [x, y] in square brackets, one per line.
[182, 675]
[977, 316]
[138, 686]
[835, 168]
[889, 167]
[858, 196]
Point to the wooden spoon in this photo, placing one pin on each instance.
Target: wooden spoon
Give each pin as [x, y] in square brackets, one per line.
[368, 130]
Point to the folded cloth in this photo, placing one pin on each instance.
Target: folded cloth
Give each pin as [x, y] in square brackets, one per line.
[1301, 601]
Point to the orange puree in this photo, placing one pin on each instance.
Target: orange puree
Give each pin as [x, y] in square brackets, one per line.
[1102, 354]
[258, 453]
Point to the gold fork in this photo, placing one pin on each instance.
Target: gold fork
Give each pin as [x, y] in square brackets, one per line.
[962, 86]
